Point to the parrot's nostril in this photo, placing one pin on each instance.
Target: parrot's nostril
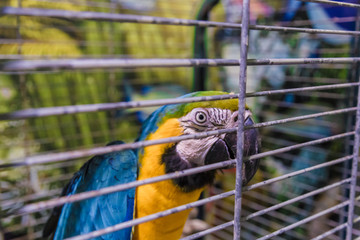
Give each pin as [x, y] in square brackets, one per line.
[248, 122]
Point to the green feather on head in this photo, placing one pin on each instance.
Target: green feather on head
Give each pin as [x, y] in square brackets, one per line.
[178, 110]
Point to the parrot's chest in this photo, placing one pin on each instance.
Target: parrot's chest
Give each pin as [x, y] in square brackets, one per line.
[160, 196]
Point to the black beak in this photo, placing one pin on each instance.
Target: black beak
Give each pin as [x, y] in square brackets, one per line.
[225, 149]
[251, 147]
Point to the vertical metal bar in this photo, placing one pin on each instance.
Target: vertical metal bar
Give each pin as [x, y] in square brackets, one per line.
[354, 167]
[350, 121]
[354, 174]
[240, 133]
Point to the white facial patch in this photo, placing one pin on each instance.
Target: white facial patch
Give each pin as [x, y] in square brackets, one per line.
[201, 120]
[195, 150]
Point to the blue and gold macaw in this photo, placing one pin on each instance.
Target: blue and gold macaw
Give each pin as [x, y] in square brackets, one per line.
[127, 166]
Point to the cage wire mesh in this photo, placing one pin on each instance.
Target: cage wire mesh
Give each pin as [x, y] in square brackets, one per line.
[77, 74]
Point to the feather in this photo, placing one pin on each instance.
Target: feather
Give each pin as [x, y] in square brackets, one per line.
[103, 211]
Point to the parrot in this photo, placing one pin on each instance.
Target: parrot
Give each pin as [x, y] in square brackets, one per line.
[150, 161]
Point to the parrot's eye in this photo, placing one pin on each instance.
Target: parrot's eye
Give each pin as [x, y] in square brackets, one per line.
[200, 117]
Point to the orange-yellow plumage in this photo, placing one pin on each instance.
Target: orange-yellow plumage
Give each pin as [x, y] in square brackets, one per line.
[162, 195]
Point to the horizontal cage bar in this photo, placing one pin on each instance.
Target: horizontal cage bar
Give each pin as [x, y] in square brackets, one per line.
[64, 156]
[336, 3]
[303, 117]
[300, 145]
[228, 224]
[305, 220]
[296, 199]
[54, 157]
[25, 65]
[77, 15]
[330, 232]
[54, 111]
[208, 231]
[35, 207]
[73, 109]
[183, 207]
[151, 217]
[292, 174]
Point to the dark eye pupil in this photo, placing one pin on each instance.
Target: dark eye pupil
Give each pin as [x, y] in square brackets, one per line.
[200, 117]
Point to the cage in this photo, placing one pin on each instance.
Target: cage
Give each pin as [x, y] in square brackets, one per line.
[77, 74]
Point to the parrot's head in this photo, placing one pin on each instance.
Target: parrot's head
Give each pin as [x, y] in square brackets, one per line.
[192, 118]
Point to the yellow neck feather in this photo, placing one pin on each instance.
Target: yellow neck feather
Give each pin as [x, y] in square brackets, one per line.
[163, 195]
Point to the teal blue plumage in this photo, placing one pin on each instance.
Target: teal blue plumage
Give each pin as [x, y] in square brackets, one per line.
[103, 211]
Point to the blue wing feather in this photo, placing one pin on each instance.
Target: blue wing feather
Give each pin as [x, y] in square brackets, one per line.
[103, 211]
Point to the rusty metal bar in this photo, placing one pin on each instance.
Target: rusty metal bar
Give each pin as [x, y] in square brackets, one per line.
[73, 109]
[76, 15]
[305, 220]
[27, 65]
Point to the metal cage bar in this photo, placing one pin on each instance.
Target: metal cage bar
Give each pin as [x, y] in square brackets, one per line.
[208, 231]
[29, 65]
[64, 110]
[35, 207]
[244, 42]
[228, 224]
[332, 231]
[336, 3]
[36, 12]
[276, 233]
[26, 65]
[354, 170]
[280, 205]
[54, 157]
[151, 217]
